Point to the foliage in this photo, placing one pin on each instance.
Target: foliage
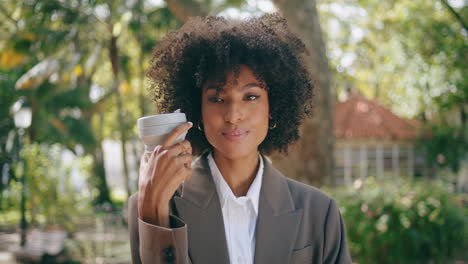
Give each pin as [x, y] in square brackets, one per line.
[401, 222]
[445, 145]
[9, 142]
[39, 60]
[55, 54]
[410, 55]
[51, 196]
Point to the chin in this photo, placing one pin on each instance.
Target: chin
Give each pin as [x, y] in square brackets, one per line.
[234, 153]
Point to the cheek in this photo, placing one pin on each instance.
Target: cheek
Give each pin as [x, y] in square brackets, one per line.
[210, 119]
[260, 117]
[264, 119]
[259, 114]
[208, 114]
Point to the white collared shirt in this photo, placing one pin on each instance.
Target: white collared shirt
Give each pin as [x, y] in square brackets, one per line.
[239, 214]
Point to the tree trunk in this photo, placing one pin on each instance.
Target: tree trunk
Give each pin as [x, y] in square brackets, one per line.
[98, 179]
[311, 160]
[141, 40]
[99, 171]
[115, 61]
[141, 89]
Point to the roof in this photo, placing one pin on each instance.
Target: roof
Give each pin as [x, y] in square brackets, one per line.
[361, 118]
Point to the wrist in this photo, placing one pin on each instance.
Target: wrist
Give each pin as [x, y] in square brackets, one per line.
[162, 214]
[159, 216]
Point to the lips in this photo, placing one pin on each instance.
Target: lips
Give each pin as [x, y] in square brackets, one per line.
[235, 135]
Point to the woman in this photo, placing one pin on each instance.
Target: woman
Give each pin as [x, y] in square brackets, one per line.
[246, 89]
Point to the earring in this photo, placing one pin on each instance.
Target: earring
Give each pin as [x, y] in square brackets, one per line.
[198, 126]
[272, 127]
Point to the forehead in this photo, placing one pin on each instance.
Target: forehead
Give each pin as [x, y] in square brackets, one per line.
[244, 78]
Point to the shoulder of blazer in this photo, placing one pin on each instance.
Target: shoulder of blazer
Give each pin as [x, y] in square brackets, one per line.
[302, 196]
[308, 197]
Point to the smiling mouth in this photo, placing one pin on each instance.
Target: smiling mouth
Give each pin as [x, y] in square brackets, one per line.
[235, 135]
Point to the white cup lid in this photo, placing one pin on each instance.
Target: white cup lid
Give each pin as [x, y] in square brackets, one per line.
[162, 119]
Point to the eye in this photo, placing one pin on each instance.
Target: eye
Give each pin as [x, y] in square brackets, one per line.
[215, 99]
[252, 97]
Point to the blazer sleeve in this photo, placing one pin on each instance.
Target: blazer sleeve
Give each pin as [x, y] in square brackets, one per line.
[155, 244]
[335, 246]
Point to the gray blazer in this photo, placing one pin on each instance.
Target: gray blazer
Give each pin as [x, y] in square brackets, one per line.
[297, 223]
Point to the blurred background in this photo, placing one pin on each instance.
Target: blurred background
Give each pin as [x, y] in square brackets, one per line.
[388, 137]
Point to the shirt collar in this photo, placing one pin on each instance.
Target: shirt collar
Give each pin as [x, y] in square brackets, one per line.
[225, 192]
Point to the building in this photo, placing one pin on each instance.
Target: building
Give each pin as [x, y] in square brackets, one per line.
[373, 141]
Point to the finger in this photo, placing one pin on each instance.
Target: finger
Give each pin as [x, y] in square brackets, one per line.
[170, 184]
[149, 157]
[167, 166]
[178, 178]
[189, 174]
[143, 164]
[172, 137]
[146, 164]
[145, 157]
[184, 160]
[176, 162]
[158, 149]
[155, 164]
[180, 148]
[187, 146]
[143, 160]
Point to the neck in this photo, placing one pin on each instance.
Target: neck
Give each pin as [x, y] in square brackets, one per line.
[238, 173]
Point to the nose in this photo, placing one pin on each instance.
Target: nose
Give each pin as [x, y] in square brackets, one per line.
[233, 113]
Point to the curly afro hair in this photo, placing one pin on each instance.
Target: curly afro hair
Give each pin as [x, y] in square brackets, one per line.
[207, 49]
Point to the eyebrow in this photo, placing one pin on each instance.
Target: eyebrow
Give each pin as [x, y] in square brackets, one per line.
[245, 87]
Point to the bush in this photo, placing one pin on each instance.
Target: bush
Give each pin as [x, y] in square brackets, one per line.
[403, 222]
[51, 197]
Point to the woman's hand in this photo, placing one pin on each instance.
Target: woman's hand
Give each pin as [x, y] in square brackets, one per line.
[161, 173]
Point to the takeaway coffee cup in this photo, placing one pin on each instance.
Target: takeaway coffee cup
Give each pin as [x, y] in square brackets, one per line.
[152, 130]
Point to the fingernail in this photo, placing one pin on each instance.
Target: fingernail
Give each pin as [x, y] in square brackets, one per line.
[156, 149]
[190, 123]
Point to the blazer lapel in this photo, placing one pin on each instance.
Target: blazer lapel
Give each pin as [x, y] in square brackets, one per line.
[199, 207]
[277, 224]
[278, 220]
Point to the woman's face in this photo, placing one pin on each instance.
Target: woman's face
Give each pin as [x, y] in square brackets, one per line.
[235, 120]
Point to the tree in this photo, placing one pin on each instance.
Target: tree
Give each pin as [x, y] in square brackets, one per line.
[57, 79]
[312, 161]
[92, 53]
[411, 56]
